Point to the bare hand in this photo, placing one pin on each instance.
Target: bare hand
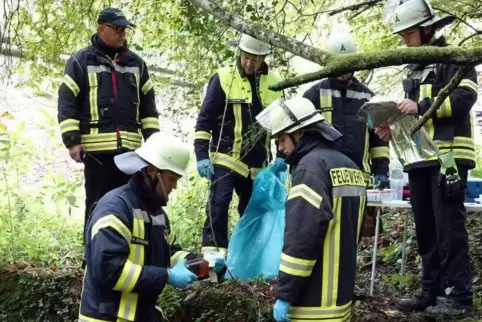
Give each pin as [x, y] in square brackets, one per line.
[408, 107]
[384, 133]
[75, 152]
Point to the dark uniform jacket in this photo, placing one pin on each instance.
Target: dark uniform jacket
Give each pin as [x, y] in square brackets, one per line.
[106, 101]
[128, 250]
[228, 119]
[340, 107]
[323, 215]
[451, 126]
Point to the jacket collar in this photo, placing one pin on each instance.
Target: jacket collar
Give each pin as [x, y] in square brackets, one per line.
[263, 70]
[151, 201]
[101, 46]
[309, 141]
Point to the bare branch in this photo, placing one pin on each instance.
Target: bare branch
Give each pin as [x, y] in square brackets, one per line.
[442, 95]
[354, 7]
[478, 33]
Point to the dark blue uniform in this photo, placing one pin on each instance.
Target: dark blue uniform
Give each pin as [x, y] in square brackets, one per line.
[128, 250]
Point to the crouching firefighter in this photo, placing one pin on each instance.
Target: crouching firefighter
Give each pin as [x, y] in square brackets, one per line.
[130, 252]
[324, 210]
[230, 150]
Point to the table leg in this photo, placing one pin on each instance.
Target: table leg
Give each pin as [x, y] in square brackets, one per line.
[375, 246]
[404, 244]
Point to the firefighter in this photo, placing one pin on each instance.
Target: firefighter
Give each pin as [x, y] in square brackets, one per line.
[106, 105]
[229, 149]
[340, 98]
[324, 210]
[130, 250]
[437, 183]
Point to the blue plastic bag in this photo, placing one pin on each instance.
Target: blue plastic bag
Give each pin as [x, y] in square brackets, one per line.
[257, 240]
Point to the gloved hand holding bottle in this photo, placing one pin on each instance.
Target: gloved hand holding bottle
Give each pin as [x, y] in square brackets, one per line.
[205, 169]
[280, 310]
[180, 276]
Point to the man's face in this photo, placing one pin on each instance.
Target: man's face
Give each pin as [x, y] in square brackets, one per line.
[169, 182]
[113, 36]
[345, 77]
[285, 144]
[411, 37]
[251, 63]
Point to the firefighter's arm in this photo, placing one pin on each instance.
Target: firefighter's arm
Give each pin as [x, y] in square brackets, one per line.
[308, 213]
[109, 236]
[459, 103]
[68, 102]
[212, 108]
[313, 94]
[379, 154]
[148, 114]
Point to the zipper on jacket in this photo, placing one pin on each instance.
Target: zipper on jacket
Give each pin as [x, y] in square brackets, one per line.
[114, 85]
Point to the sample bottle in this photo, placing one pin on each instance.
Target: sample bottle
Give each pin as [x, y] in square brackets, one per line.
[200, 267]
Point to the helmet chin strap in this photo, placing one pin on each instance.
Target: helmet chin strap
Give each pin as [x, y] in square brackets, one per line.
[163, 187]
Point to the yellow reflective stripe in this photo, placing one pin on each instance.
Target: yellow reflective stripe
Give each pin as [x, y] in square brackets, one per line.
[296, 266]
[268, 96]
[361, 214]
[238, 128]
[305, 192]
[138, 81]
[367, 178]
[380, 152]
[178, 256]
[326, 104]
[113, 222]
[108, 141]
[425, 92]
[230, 163]
[470, 84]
[128, 278]
[69, 125]
[71, 84]
[202, 135]
[366, 156]
[128, 302]
[148, 85]
[150, 123]
[207, 249]
[445, 109]
[333, 313]
[463, 147]
[94, 109]
[254, 172]
[331, 258]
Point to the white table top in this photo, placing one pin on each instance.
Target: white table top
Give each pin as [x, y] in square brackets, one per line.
[406, 205]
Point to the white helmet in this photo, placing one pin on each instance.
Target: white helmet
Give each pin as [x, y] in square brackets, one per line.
[253, 46]
[288, 116]
[342, 43]
[163, 151]
[417, 13]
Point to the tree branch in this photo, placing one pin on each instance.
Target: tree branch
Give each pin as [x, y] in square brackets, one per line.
[354, 7]
[263, 33]
[442, 95]
[346, 63]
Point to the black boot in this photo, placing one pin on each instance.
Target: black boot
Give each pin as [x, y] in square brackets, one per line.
[448, 308]
[418, 302]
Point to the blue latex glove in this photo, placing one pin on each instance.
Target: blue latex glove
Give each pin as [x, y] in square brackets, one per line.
[379, 178]
[180, 276]
[279, 165]
[370, 122]
[205, 169]
[280, 311]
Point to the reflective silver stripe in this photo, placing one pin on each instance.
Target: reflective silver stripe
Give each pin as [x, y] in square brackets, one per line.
[329, 92]
[98, 69]
[310, 311]
[133, 270]
[159, 220]
[123, 69]
[349, 191]
[358, 95]
[130, 300]
[331, 251]
[300, 267]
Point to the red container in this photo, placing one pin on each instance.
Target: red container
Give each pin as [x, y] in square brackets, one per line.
[200, 267]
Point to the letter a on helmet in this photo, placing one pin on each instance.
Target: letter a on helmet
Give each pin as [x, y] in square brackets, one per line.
[341, 43]
[417, 13]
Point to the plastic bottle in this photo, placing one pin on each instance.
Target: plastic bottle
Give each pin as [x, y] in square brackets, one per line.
[200, 267]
